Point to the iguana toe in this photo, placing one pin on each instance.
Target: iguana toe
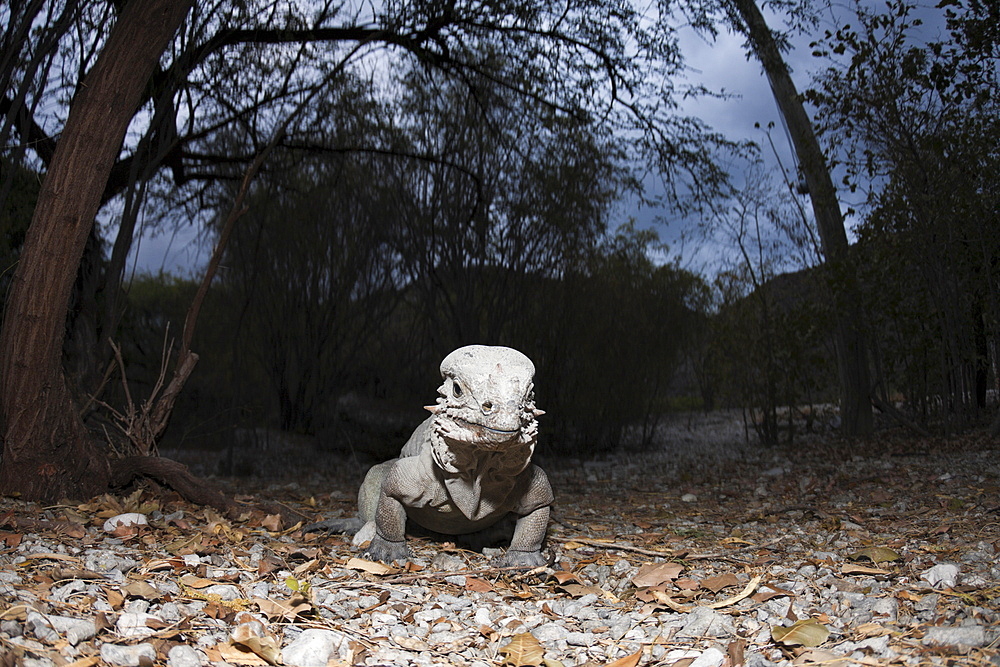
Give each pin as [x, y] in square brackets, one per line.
[520, 559]
[386, 551]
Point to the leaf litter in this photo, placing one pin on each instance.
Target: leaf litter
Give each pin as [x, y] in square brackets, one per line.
[825, 555]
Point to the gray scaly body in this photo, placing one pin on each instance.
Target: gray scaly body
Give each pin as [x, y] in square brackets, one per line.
[466, 467]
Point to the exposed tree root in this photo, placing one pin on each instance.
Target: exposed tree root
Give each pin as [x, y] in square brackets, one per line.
[193, 489]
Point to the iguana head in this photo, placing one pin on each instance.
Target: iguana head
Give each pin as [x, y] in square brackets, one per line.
[487, 398]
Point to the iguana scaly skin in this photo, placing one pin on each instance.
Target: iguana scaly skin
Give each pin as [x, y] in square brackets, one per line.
[466, 467]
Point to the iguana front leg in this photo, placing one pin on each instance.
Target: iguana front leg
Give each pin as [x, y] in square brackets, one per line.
[389, 543]
[529, 532]
[526, 546]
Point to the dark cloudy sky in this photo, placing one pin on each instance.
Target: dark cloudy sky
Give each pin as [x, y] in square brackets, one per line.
[721, 65]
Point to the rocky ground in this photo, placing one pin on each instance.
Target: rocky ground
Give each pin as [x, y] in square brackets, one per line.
[706, 553]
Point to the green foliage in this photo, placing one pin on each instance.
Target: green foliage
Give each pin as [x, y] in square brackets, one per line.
[917, 125]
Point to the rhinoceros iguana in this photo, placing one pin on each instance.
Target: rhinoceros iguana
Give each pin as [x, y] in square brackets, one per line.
[466, 467]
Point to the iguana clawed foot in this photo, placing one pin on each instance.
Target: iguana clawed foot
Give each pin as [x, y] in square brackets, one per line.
[519, 559]
[387, 552]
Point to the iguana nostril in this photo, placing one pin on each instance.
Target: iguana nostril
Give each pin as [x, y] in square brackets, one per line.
[487, 406]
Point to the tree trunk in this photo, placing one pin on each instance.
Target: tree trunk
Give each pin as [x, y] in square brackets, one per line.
[47, 453]
[852, 352]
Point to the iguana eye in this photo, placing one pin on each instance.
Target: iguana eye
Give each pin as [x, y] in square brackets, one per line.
[456, 389]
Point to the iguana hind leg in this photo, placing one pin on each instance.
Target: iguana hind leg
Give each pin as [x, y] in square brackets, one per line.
[367, 505]
[347, 526]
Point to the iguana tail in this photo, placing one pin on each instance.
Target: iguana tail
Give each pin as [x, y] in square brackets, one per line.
[346, 526]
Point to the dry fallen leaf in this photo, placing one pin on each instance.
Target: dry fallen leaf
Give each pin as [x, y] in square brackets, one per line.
[371, 567]
[523, 651]
[736, 652]
[251, 634]
[849, 568]
[140, 589]
[654, 574]
[236, 654]
[564, 577]
[18, 612]
[478, 585]
[85, 662]
[806, 632]
[284, 609]
[191, 581]
[716, 584]
[876, 554]
[821, 658]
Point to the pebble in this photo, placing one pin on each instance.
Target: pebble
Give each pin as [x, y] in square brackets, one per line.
[315, 647]
[419, 617]
[49, 628]
[183, 656]
[128, 656]
[962, 637]
[944, 575]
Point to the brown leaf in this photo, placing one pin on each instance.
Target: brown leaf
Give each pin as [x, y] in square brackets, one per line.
[251, 634]
[821, 658]
[11, 540]
[140, 589]
[564, 576]
[764, 596]
[52, 556]
[115, 599]
[736, 652]
[85, 662]
[478, 585]
[272, 522]
[18, 612]
[192, 581]
[654, 574]
[716, 584]
[238, 655]
[284, 609]
[808, 632]
[158, 564]
[523, 650]
[579, 590]
[268, 564]
[370, 567]
[876, 554]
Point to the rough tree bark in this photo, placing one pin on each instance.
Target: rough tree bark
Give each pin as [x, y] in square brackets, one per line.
[851, 346]
[47, 453]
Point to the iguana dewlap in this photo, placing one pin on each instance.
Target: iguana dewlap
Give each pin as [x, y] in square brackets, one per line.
[466, 467]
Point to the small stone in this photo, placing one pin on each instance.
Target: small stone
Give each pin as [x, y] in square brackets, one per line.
[482, 616]
[133, 624]
[689, 498]
[183, 656]
[226, 592]
[315, 647]
[705, 622]
[550, 632]
[963, 637]
[711, 657]
[443, 562]
[128, 656]
[49, 628]
[942, 574]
